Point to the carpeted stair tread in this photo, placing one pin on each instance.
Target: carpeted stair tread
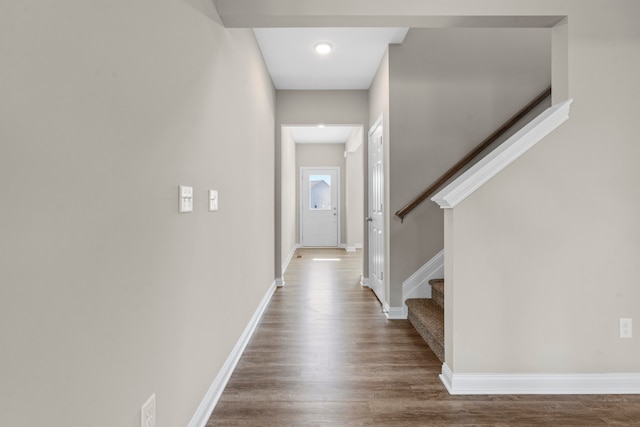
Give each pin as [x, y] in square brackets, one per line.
[437, 291]
[428, 318]
[437, 284]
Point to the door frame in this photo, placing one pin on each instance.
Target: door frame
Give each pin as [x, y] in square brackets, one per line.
[338, 204]
[381, 290]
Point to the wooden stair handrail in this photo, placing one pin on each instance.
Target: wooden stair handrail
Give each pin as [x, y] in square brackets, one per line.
[472, 154]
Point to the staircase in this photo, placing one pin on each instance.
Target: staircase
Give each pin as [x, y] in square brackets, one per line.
[427, 316]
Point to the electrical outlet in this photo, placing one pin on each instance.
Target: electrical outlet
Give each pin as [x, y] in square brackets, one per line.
[625, 328]
[148, 412]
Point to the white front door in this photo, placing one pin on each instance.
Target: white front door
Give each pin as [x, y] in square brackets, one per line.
[319, 210]
[376, 211]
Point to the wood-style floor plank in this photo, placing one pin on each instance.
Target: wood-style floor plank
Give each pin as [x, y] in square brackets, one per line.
[325, 354]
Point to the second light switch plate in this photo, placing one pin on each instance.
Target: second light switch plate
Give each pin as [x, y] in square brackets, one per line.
[213, 200]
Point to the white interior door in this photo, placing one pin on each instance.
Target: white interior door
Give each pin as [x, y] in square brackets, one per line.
[319, 210]
[376, 211]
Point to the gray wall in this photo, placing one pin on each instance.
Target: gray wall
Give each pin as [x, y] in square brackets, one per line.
[97, 269]
[355, 189]
[107, 294]
[289, 209]
[449, 89]
[294, 107]
[321, 155]
[550, 244]
[586, 170]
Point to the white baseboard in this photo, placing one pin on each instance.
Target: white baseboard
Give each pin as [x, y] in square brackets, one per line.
[212, 396]
[395, 313]
[613, 383]
[417, 286]
[286, 262]
[279, 282]
[350, 248]
[364, 281]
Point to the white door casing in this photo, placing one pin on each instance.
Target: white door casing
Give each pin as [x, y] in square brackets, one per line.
[376, 211]
[319, 206]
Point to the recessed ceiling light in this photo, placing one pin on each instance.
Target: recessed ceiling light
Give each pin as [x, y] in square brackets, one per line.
[323, 48]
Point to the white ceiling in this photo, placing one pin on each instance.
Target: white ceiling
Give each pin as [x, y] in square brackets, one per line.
[294, 64]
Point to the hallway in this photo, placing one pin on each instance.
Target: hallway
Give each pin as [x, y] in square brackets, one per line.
[325, 354]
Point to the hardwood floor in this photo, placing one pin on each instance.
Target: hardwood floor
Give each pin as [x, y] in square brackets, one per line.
[325, 354]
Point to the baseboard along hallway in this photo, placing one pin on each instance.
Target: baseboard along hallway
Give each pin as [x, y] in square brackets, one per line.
[324, 353]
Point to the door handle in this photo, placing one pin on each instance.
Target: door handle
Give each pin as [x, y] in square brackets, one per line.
[369, 219]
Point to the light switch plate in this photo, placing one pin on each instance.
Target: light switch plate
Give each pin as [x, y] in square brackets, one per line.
[186, 199]
[625, 328]
[213, 200]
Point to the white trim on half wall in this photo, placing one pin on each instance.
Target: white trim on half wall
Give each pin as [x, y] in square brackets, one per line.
[611, 383]
[417, 286]
[503, 155]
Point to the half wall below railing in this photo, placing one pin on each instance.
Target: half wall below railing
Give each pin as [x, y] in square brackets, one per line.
[473, 154]
[463, 186]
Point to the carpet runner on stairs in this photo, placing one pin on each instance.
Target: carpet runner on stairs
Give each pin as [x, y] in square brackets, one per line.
[427, 316]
